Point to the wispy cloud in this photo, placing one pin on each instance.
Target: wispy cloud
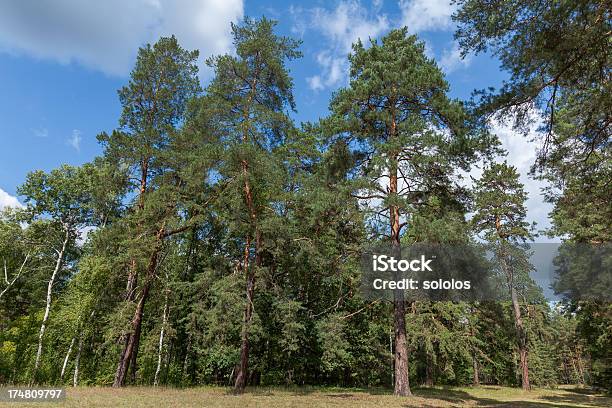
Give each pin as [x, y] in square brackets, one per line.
[75, 140]
[451, 59]
[427, 15]
[40, 132]
[341, 27]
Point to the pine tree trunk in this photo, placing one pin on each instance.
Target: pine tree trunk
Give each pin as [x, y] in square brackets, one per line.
[242, 375]
[66, 358]
[521, 334]
[522, 340]
[402, 384]
[132, 281]
[475, 368]
[393, 362]
[476, 380]
[132, 343]
[43, 326]
[130, 350]
[429, 380]
[580, 366]
[186, 360]
[133, 367]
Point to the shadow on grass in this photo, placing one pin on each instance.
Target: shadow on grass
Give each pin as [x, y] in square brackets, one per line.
[581, 396]
[437, 396]
[571, 399]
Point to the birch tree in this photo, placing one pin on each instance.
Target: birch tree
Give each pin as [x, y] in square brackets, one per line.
[14, 254]
[59, 201]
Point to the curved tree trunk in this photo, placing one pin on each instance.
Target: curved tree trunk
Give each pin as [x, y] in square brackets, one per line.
[43, 326]
[132, 343]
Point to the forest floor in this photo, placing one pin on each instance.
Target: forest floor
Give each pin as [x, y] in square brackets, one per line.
[485, 396]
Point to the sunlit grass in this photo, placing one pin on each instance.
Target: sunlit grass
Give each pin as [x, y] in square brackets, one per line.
[486, 396]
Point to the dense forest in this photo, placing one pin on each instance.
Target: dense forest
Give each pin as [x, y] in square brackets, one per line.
[216, 241]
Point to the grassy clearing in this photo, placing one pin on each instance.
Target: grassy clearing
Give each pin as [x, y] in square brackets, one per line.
[487, 396]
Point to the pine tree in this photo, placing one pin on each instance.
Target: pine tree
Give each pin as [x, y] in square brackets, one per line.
[154, 103]
[500, 215]
[558, 56]
[409, 135]
[250, 96]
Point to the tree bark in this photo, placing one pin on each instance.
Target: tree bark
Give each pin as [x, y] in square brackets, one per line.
[77, 362]
[475, 367]
[132, 280]
[130, 350]
[243, 366]
[43, 326]
[402, 381]
[66, 358]
[429, 380]
[126, 355]
[580, 365]
[161, 343]
[15, 277]
[476, 380]
[522, 340]
[521, 334]
[186, 360]
[242, 374]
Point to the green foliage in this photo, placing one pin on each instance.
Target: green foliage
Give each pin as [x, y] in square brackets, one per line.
[172, 222]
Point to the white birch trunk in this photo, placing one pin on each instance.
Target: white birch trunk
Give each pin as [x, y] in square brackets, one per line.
[43, 326]
[161, 343]
[17, 275]
[75, 378]
[66, 358]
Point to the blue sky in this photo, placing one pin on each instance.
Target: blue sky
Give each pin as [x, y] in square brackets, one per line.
[62, 61]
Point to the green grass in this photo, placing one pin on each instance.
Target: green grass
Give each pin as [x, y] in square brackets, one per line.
[486, 396]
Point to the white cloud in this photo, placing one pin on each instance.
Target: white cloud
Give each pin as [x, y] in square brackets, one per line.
[315, 83]
[7, 200]
[105, 35]
[75, 140]
[299, 25]
[83, 234]
[426, 15]
[522, 154]
[343, 26]
[451, 59]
